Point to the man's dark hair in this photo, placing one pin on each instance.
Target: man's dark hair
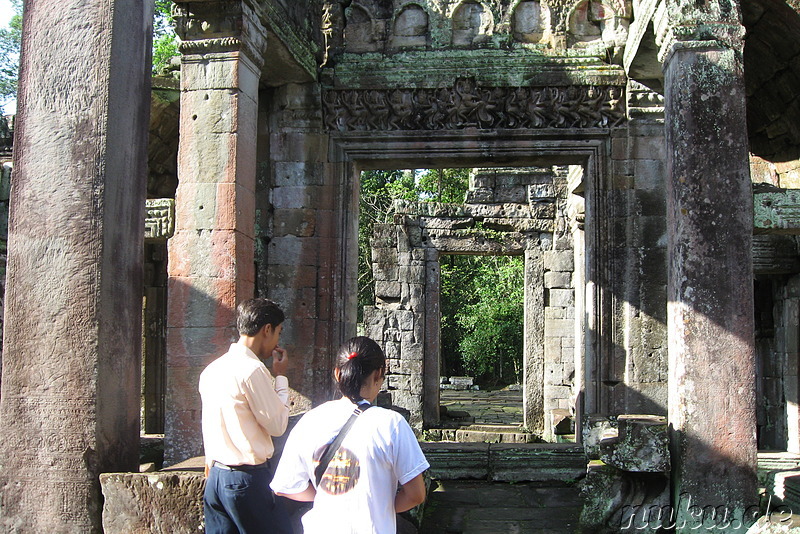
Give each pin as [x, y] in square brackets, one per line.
[253, 314]
[358, 357]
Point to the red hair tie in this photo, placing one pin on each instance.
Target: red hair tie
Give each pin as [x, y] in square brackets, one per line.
[352, 355]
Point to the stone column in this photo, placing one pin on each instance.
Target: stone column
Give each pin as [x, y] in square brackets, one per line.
[533, 401]
[210, 265]
[710, 281]
[70, 384]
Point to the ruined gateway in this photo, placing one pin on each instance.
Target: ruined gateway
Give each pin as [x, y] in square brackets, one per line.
[619, 146]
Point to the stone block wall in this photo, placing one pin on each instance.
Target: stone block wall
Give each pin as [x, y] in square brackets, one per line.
[397, 319]
[631, 375]
[559, 331]
[304, 210]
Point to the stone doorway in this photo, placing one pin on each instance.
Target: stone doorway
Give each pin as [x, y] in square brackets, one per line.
[522, 211]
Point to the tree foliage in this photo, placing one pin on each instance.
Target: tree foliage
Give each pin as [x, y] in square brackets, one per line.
[491, 325]
[10, 39]
[481, 301]
[165, 42]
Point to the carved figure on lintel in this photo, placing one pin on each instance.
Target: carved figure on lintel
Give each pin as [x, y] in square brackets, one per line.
[516, 101]
[612, 110]
[590, 110]
[377, 109]
[472, 23]
[356, 111]
[330, 103]
[410, 27]
[402, 105]
[430, 112]
[538, 108]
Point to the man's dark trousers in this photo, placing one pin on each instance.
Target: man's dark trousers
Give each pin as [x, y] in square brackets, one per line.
[238, 500]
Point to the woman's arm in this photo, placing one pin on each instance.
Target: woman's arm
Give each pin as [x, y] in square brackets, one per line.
[307, 495]
[410, 495]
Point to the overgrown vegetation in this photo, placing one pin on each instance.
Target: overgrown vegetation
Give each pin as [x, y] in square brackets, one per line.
[481, 296]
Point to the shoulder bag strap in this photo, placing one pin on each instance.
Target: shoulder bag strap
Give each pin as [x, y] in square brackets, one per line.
[333, 446]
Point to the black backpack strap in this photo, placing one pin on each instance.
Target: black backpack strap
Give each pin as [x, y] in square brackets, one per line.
[330, 450]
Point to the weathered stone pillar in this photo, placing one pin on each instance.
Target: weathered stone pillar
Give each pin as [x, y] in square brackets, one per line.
[211, 255]
[533, 401]
[710, 284]
[70, 384]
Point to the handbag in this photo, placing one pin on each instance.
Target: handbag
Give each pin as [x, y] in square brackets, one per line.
[333, 446]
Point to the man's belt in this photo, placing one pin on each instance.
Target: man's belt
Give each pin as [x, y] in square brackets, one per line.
[243, 467]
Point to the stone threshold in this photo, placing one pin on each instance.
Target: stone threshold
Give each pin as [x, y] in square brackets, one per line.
[480, 434]
[504, 462]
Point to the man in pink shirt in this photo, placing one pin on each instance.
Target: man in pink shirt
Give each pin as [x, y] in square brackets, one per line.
[243, 407]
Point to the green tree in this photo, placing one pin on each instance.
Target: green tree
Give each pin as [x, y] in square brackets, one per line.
[165, 42]
[492, 324]
[457, 290]
[10, 39]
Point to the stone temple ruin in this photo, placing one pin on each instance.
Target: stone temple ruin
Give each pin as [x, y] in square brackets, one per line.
[641, 155]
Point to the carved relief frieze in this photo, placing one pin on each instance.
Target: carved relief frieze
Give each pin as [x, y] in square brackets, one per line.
[467, 105]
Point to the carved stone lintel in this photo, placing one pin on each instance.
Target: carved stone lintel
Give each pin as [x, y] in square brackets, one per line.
[467, 105]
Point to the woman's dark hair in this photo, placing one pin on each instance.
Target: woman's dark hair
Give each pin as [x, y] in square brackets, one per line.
[358, 357]
[253, 314]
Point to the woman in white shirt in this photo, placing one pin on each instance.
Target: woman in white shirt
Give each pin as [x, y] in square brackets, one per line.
[376, 471]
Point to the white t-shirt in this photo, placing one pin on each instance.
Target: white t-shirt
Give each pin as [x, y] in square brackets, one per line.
[357, 492]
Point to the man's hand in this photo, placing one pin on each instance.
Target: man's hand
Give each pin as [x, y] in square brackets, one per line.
[280, 361]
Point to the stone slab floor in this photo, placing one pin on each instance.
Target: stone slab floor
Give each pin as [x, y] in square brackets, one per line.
[501, 407]
[481, 507]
